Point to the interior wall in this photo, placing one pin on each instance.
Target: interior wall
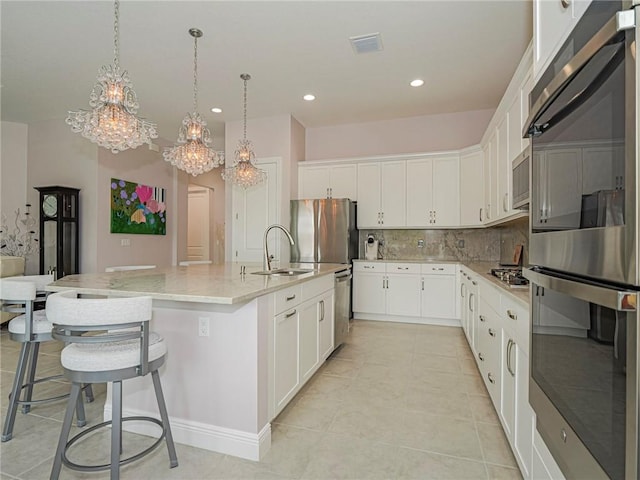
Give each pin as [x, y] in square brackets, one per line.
[57, 156]
[298, 154]
[13, 168]
[147, 167]
[429, 133]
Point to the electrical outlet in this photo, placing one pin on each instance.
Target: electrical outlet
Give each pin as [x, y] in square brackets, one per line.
[203, 326]
[461, 243]
[420, 243]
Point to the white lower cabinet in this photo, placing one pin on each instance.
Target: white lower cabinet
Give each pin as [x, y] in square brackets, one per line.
[302, 337]
[408, 292]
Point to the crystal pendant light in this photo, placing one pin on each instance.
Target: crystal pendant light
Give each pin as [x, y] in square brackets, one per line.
[192, 152]
[244, 173]
[112, 123]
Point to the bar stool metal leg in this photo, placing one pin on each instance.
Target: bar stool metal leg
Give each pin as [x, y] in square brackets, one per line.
[33, 363]
[64, 432]
[173, 458]
[7, 431]
[116, 429]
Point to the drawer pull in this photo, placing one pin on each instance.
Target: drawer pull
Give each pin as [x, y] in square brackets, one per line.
[490, 377]
[402, 268]
[437, 269]
[367, 266]
[480, 356]
[473, 282]
[492, 332]
[482, 319]
[512, 315]
[290, 298]
[289, 315]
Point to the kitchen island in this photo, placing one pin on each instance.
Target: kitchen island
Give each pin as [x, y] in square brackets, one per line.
[226, 368]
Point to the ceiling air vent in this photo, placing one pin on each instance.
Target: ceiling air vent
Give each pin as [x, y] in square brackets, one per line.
[366, 43]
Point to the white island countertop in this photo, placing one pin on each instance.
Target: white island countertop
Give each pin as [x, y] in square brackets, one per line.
[220, 284]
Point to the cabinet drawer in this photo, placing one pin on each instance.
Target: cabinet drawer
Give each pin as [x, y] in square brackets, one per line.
[403, 268]
[490, 295]
[439, 268]
[287, 298]
[317, 286]
[379, 267]
[516, 316]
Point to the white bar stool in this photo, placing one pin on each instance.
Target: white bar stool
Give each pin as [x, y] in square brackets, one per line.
[20, 295]
[118, 346]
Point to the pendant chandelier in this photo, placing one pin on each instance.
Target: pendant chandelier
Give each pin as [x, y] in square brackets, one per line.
[192, 152]
[112, 123]
[244, 173]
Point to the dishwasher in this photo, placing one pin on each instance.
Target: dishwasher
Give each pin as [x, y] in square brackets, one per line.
[342, 306]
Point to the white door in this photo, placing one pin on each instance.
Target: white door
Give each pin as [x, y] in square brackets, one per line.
[368, 195]
[314, 182]
[439, 296]
[446, 194]
[503, 164]
[198, 223]
[394, 198]
[419, 193]
[369, 294]
[343, 182]
[254, 209]
[487, 171]
[403, 295]
[471, 189]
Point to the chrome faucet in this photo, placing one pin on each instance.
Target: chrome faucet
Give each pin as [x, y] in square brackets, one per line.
[266, 264]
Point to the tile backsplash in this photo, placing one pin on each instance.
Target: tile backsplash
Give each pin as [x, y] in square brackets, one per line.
[464, 245]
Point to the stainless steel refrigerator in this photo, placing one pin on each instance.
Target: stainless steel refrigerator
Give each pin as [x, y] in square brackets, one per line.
[324, 231]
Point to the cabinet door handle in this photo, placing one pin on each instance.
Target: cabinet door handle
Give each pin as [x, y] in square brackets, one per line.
[490, 377]
[470, 302]
[482, 319]
[565, 3]
[510, 345]
[423, 284]
[480, 213]
[492, 332]
[512, 315]
[321, 310]
[288, 299]
[480, 356]
[382, 218]
[288, 315]
[462, 290]
[504, 202]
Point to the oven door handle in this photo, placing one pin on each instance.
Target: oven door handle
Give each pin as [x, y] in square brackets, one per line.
[615, 299]
[606, 35]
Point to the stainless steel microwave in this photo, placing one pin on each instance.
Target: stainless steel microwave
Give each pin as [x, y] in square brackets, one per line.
[520, 180]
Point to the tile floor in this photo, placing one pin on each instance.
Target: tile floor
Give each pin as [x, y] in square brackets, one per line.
[397, 401]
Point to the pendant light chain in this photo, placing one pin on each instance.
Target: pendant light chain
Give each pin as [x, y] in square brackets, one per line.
[195, 73]
[116, 34]
[245, 106]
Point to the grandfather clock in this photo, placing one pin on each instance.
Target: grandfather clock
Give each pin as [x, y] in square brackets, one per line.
[59, 230]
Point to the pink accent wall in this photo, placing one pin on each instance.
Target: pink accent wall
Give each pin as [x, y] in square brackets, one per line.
[430, 133]
[149, 168]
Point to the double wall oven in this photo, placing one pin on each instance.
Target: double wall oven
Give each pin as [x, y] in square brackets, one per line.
[584, 253]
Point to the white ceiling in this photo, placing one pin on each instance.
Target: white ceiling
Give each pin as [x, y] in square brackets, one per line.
[466, 51]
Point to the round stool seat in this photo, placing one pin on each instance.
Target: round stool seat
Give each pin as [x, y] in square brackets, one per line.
[98, 357]
[40, 323]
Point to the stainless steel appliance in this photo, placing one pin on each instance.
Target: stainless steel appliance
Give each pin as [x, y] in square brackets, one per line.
[324, 231]
[512, 277]
[583, 249]
[520, 179]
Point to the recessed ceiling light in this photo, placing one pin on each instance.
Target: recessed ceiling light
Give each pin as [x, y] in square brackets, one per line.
[216, 110]
[308, 97]
[416, 83]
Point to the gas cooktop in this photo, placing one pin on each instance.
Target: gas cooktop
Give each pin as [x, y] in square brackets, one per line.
[511, 276]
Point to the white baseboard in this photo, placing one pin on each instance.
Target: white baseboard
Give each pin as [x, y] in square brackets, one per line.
[447, 322]
[208, 437]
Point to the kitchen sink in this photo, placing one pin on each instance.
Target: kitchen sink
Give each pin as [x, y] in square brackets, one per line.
[284, 272]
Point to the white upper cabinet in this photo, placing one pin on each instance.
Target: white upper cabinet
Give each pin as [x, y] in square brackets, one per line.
[381, 195]
[327, 181]
[471, 188]
[503, 167]
[433, 195]
[553, 20]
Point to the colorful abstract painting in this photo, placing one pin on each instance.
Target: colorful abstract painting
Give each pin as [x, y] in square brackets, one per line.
[137, 208]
